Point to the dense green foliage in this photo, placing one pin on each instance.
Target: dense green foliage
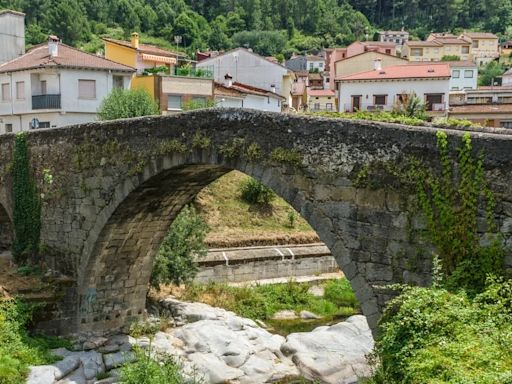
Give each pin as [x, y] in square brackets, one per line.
[451, 203]
[491, 74]
[126, 103]
[17, 349]
[263, 301]
[27, 206]
[268, 26]
[254, 192]
[185, 241]
[430, 336]
[146, 370]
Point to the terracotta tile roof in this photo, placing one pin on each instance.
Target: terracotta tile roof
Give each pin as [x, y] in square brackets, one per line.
[68, 57]
[321, 92]
[482, 108]
[247, 90]
[433, 43]
[480, 35]
[453, 41]
[368, 52]
[414, 71]
[146, 48]
[382, 44]
[222, 90]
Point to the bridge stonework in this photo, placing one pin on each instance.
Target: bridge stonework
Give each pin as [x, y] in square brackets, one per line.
[117, 186]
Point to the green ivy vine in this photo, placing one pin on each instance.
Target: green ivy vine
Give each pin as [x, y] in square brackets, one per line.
[451, 202]
[27, 205]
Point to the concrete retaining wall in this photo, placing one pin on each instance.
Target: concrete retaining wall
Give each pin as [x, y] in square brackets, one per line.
[235, 265]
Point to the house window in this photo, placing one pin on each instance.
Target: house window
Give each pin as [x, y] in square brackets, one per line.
[6, 92]
[475, 44]
[380, 99]
[118, 82]
[506, 124]
[20, 90]
[87, 89]
[320, 65]
[465, 50]
[8, 128]
[388, 51]
[434, 101]
[310, 65]
[417, 52]
[173, 102]
[316, 107]
[43, 87]
[455, 88]
[456, 73]
[328, 106]
[468, 74]
[44, 124]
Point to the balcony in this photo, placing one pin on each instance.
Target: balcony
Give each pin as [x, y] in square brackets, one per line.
[46, 102]
[186, 71]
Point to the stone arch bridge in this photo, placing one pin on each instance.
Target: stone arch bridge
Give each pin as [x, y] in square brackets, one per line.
[117, 186]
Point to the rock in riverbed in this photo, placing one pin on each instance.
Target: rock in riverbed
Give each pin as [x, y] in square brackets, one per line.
[224, 348]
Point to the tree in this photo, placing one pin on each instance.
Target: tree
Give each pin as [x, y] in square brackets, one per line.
[185, 240]
[491, 74]
[450, 58]
[122, 104]
[67, 20]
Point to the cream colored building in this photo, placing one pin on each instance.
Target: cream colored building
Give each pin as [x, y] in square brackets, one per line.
[484, 46]
[365, 62]
[435, 50]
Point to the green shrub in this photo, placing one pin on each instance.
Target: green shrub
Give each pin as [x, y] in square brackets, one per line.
[17, 349]
[254, 192]
[429, 335]
[340, 293]
[175, 262]
[127, 103]
[146, 370]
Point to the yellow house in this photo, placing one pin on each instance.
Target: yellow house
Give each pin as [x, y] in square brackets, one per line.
[435, 49]
[484, 46]
[365, 62]
[140, 56]
[322, 100]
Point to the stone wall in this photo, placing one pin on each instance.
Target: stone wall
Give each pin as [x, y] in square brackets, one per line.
[6, 232]
[235, 265]
[117, 186]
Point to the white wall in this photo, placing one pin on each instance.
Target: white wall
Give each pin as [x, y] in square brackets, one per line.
[390, 88]
[262, 103]
[12, 36]
[507, 80]
[228, 102]
[314, 64]
[247, 68]
[463, 82]
[64, 82]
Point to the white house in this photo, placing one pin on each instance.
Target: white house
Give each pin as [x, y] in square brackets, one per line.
[315, 63]
[237, 95]
[246, 67]
[464, 75]
[507, 78]
[54, 85]
[381, 88]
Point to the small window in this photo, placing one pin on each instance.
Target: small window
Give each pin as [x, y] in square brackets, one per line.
[455, 88]
[417, 52]
[506, 124]
[456, 74]
[328, 106]
[87, 89]
[380, 99]
[465, 50]
[173, 102]
[388, 51]
[317, 98]
[321, 65]
[44, 124]
[468, 74]
[20, 90]
[6, 92]
[316, 107]
[43, 87]
[8, 128]
[118, 82]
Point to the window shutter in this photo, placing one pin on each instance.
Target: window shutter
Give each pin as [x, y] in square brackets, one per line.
[86, 89]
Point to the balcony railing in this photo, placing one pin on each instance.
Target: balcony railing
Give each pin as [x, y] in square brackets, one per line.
[46, 102]
[205, 73]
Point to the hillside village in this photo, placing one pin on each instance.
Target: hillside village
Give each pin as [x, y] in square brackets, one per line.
[54, 85]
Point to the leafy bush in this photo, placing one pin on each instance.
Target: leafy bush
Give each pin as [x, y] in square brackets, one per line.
[340, 293]
[175, 259]
[17, 349]
[146, 370]
[449, 122]
[124, 103]
[429, 335]
[386, 117]
[254, 192]
[410, 105]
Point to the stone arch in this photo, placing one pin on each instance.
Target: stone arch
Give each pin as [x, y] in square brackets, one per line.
[112, 285]
[6, 229]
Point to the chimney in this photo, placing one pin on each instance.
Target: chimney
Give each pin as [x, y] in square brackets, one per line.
[53, 45]
[135, 40]
[228, 80]
[273, 88]
[377, 64]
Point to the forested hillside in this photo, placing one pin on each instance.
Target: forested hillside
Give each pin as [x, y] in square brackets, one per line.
[271, 27]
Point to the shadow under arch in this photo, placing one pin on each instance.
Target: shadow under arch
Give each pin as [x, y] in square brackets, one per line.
[113, 283]
[6, 230]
